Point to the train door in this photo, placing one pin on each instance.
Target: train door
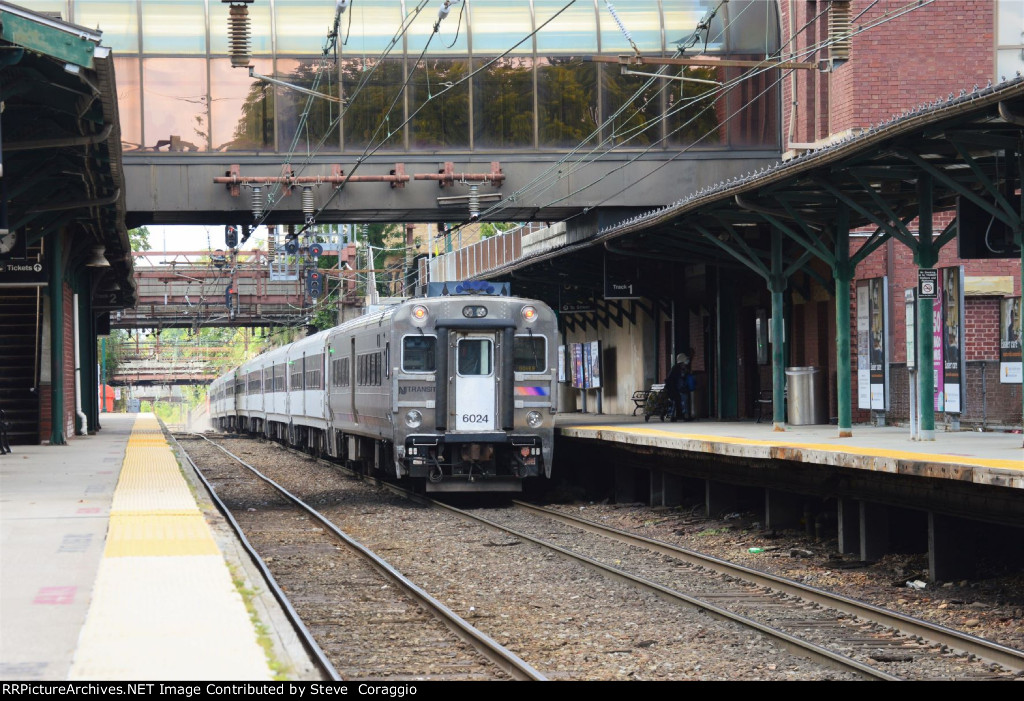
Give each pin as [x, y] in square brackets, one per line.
[474, 401]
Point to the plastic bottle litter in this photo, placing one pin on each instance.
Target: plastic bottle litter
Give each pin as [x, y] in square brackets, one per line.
[755, 551]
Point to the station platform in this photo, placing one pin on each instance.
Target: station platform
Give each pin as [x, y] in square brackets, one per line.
[109, 570]
[995, 458]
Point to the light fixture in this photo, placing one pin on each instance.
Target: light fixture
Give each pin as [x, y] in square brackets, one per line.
[97, 260]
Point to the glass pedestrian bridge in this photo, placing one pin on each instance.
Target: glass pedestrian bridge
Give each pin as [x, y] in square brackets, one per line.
[498, 80]
[177, 89]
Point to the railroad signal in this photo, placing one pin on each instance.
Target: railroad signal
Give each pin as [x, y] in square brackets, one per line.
[231, 236]
[291, 245]
[230, 290]
[314, 283]
[316, 250]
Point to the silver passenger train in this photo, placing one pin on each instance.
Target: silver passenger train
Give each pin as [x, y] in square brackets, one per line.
[454, 391]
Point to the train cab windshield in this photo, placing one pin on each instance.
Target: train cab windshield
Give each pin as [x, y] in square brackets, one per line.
[529, 354]
[418, 353]
[474, 356]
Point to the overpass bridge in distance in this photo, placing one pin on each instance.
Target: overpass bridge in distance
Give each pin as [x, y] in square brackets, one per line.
[248, 288]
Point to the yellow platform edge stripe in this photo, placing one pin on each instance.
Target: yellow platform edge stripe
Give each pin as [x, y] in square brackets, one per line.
[150, 534]
[825, 447]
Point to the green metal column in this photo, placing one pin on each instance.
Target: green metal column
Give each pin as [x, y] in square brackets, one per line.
[56, 291]
[843, 274]
[776, 285]
[926, 257]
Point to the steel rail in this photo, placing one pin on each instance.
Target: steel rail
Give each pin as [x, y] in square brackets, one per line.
[305, 637]
[1006, 657]
[789, 642]
[500, 656]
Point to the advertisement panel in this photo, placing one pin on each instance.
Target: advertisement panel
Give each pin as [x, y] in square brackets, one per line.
[1011, 370]
[953, 350]
[863, 348]
[873, 344]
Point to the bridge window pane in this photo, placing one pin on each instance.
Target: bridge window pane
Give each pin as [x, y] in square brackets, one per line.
[321, 123]
[681, 19]
[503, 110]
[752, 108]
[174, 93]
[496, 26]
[259, 23]
[370, 102]
[566, 100]
[751, 26]
[441, 113]
[119, 22]
[242, 109]
[58, 6]
[369, 26]
[573, 31]
[639, 124]
[301, 25]
[174, 26]
[641, 19]
[694, 115]
[129, 103]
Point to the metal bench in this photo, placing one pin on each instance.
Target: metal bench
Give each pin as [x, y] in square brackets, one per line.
[640, 399]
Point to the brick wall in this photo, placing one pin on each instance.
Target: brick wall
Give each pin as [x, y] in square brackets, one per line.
[951, 43]
[987, 400]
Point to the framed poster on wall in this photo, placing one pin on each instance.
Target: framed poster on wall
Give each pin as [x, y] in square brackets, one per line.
[1011, 370]
[873, 344]
[952, 331]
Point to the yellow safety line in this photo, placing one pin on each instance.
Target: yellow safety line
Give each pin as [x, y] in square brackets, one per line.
[851, 450]
[150, 475]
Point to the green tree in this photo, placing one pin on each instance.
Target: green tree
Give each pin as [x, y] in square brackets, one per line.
[139, 239]
[489, 229]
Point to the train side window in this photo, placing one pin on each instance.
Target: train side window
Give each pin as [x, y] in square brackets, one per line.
[530, 354]
[418, 353]
[474, 356]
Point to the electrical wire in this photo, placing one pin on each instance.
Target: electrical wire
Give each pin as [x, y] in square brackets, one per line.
[753, 72]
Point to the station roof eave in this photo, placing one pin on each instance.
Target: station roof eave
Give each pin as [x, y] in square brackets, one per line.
[62, 166]
[872, 176]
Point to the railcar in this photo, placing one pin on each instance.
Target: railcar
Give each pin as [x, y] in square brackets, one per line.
[455, 391]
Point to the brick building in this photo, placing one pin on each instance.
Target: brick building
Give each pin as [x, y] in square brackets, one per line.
[897, 62]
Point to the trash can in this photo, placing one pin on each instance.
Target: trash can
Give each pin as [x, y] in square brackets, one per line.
[806, 401]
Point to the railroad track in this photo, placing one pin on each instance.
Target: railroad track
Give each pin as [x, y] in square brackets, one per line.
[402, 618]
[834, 629]
[836, 632]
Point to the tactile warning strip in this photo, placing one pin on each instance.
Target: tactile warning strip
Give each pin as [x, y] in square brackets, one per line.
[164, 605]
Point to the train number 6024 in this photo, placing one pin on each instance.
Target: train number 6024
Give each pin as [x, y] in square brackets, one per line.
[474, 418]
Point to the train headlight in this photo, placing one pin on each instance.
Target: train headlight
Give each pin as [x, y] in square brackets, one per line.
[419, 315]
[413, 418]
[529, 314]
[534, 419]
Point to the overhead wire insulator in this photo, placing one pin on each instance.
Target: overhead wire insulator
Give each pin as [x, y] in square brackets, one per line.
[257, 201]
[474, 202]
[308, 205]
[238, 33]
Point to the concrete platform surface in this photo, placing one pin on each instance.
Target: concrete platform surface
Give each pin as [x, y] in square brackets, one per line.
[989, 457]
[108, 570]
